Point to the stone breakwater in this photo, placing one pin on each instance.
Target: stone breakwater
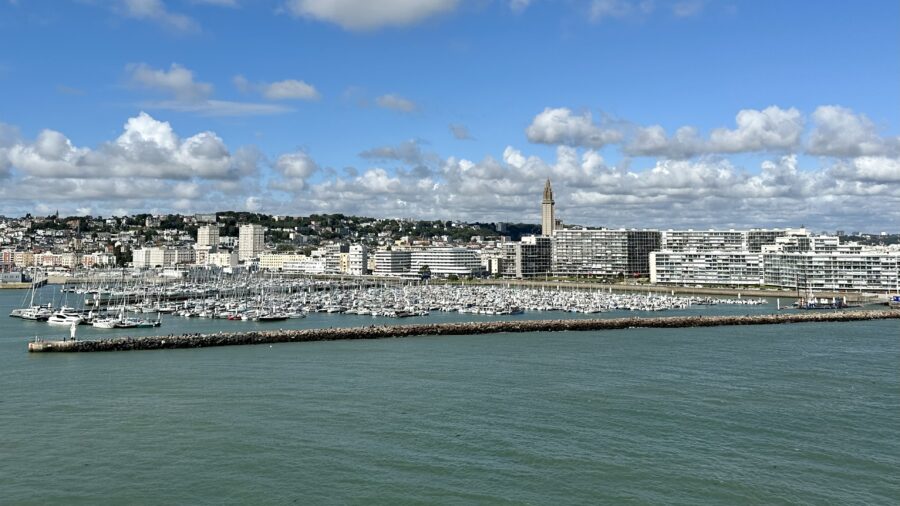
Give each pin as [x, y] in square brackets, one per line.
[441, 329]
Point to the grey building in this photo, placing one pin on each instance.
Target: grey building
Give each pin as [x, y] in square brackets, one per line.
[528, 258]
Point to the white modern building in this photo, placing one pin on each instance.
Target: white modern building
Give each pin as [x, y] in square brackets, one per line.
[707, 268]
[359, 260]
[208, 236]
[721, 240]
[223, 259]
[305, 265]
[446, 261]
[392, 262]
[144, 258]
[251, 241]
[844, 269]
[270, 261]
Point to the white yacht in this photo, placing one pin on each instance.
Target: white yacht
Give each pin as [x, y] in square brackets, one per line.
[61, 318]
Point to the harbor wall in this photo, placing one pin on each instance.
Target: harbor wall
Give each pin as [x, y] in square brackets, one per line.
[437, 329]
[23, 286]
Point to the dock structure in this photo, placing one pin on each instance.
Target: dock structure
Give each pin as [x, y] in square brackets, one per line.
[439, 329]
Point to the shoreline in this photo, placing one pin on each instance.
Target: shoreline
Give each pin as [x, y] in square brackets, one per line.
[442, 329]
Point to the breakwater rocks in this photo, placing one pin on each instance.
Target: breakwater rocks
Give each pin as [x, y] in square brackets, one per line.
[438, 329]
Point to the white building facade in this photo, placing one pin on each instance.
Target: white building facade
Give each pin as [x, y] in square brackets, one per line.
[251, 241]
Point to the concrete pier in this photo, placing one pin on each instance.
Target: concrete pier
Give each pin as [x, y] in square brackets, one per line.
[437, 329]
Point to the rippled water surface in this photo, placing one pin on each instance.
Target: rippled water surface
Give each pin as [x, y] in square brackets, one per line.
[799, 414]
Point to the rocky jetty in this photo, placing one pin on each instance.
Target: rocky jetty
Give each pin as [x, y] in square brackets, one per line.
[392, 331]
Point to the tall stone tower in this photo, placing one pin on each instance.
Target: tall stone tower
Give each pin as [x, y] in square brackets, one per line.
[548, 220]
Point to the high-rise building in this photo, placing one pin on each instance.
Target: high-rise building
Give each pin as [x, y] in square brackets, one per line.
[392, 262]
[208, 236]
[603, 252]
[332, 254]
[707, 268]
[359, 260]
[528, 258]
[548, 220]
[251, 241]
[446, 261]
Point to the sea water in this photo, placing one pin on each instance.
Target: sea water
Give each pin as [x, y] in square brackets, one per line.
[782, 414]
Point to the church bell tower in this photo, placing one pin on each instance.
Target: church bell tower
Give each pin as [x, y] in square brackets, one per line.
[548, 220]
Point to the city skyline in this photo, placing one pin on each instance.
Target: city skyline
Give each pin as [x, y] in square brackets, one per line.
[336, 113]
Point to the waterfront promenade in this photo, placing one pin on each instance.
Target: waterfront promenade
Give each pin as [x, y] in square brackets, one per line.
[198, 340]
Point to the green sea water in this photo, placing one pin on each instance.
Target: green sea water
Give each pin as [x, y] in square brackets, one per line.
[786, 414]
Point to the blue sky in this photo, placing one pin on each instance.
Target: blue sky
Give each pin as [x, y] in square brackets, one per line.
[301, 106]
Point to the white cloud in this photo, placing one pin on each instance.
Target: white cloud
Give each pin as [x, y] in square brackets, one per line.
[290, 89]
[653, 141]
[147, 167]
[155, 10]
[150, 166]
[148, 148]
[395, 103]
[178, 81]
[840, 132]
[772, 128]
[189, 95]
[368, 14]
[253, 204]
[560, 126]
[294, 168]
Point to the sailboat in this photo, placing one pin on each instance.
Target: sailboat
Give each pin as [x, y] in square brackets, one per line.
[32, 312]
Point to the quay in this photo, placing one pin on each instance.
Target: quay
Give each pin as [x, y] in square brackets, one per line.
[437, 329]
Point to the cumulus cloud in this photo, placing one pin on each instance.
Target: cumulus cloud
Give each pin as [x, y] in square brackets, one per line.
[561, 126]
[156, 11]
[294, 168]
[840, 132]
[653, 141]
[395, 103]
[147, 148]
[178, 81]
[772, 128]
[150, 166]
[369, 15]
[188, 95]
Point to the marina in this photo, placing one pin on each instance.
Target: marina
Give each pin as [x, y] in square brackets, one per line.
[466, 328]
[268, 298]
